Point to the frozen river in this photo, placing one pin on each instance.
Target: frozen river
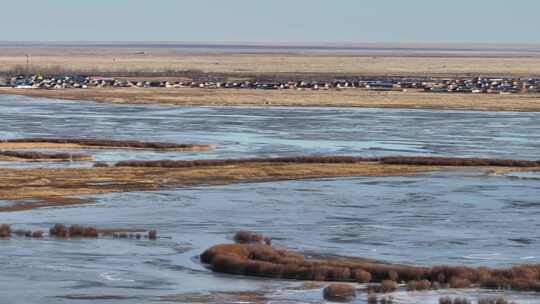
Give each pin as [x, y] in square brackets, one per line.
[437, 218]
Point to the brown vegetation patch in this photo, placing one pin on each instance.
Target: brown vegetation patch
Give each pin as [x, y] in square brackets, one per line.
[493, 300]
[241, 161]
[49, 184]
[457, 161]
[419, 285]
[389, 160]
[339, 292]
[39, 156]
[266, 261]
[5, 231]
[29, 233]
[76, 231]
[250, 237]
[67, 143]
[90, 297]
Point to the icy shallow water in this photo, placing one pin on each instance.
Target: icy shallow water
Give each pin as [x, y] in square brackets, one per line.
[438, 218]
[442, 218]
[242, 132]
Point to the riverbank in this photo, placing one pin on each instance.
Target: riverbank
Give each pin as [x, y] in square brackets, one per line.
[296, 98]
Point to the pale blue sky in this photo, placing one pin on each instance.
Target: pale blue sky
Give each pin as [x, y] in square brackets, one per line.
[431, 21]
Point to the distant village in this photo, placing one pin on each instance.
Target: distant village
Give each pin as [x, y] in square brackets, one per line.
[427, 84]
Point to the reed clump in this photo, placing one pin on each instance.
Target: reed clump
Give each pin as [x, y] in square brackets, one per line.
[385, 286]
[76, 231]
[461, 301]
[28, 233]
[5, 231]
[339, 292]
[494, 300]
[419, 285]
[247, 237]
[361, 276]
[59, 230]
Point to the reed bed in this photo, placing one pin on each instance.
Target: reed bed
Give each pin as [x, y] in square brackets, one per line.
[231, 162]
[31, 155]
[107, 143]
[78, 231]
[456, 161]
[389, 160]
[257, 259]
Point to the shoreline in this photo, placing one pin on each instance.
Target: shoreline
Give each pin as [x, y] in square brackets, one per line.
[298, 98]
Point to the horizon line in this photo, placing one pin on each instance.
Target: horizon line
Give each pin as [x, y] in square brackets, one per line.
[271, 43]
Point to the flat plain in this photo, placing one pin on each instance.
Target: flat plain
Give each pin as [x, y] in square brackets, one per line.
[181, 64]
[128, 59]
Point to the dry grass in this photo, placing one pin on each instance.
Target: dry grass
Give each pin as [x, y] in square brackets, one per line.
[457, 161]
[39, 156]
[243, 161]
[88, 143]
[50, 184]
[161, 62]
[334, 98]
[117, 60]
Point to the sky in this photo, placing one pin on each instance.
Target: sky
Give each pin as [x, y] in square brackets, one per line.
[274, 21]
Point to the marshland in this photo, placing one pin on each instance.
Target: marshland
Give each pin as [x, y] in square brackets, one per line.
[276, 152]
[400, 188]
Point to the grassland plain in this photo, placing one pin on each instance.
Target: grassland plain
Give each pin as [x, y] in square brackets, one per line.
[160, 60]
[168, 63]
